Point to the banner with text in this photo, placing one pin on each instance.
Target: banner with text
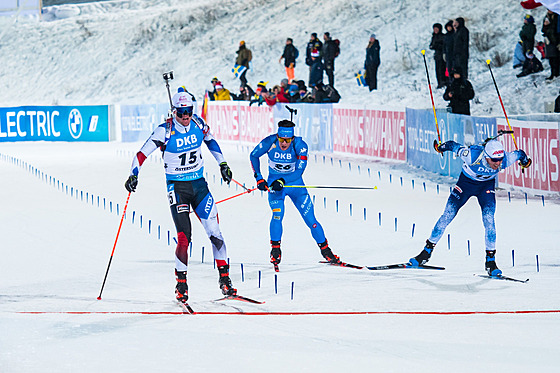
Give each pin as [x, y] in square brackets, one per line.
[54, 123]
[540, 141]
[422, 131]
[377, 133]
[139, 121]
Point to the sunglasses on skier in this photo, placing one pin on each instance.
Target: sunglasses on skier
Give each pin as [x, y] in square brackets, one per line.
[182, 111]
[287, 140]
[496, 160]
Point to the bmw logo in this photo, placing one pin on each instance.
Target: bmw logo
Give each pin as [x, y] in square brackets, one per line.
[75, 123]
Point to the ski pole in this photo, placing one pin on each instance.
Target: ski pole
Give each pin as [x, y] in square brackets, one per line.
[237, 195]
[504, 109]
[241, 185]
[329, 187]
[502, 103]
[431, 95]
[114, 245]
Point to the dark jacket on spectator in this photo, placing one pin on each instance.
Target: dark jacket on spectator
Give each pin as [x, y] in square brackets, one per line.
[437, 44]
[313, 44]
[448, 46]
[290, 54]
[325, 94]
[329, 51]
[551, 35]
[244, 56]
[527, 35]
[461, 47]
[316, 73]
[458, 93]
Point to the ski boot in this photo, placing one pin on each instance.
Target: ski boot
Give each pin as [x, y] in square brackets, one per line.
[490, 264]
[181, 289]
[424, 255]
[225, 281]
[328, 254]
[275, 254]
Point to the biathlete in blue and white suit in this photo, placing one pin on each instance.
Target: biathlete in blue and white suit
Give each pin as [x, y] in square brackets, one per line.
[180, 139]
[481, 166]
[287, 159]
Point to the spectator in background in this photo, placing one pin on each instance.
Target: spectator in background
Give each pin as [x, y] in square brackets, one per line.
[330, 52]
[325, 94]
[289, 55]
[282, 96]
[214, 81]
[448, 49]
[292, 92]
[461, 47]
[260, 94]
[316, 70]
[557, 104]
[221, 94]
[437, 45]
[372, 62]
[527, 34]
[552, 43]
[246, 93]
[314, 44]
[244, 56]
[531, 65]
[459, 92]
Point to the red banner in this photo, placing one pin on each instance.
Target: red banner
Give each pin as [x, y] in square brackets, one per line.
[239, 121]
[377, 133]
[540, 141]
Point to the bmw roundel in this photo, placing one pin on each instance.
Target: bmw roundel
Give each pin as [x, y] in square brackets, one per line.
[75, 123]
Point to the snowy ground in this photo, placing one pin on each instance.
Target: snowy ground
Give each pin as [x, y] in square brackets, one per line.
[55, 250]
[113, 52]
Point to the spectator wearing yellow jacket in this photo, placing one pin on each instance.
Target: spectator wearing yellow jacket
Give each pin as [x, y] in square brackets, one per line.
[221, 94]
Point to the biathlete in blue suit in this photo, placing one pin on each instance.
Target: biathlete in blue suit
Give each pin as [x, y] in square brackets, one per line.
[287, 159]
[481, 166]
[180, 140]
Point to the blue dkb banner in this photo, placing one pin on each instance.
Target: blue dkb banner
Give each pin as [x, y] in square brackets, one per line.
[421, 133]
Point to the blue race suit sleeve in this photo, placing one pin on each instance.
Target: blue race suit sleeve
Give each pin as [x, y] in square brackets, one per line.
[262, 148]
[301, 150]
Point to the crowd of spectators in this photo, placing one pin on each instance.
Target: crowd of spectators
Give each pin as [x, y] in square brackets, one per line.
[450, 44]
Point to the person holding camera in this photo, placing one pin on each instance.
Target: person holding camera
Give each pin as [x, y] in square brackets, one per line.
[287, 159]
[180, 139]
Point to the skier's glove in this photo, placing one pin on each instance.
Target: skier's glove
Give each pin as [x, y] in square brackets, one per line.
[226, 172]
[131, 183]
[444, 147]
[524, 161]
[277, 185]
[262, 185]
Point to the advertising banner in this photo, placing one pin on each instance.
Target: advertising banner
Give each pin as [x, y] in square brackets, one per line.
[377, 133]
[540, 141]
[223, 119]
[313, 123]
[256, 122]
[422, 131]
[139, 121]
[420, 134]
[54, 123]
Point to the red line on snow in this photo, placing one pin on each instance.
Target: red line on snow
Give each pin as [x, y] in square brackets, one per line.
[334, 313]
